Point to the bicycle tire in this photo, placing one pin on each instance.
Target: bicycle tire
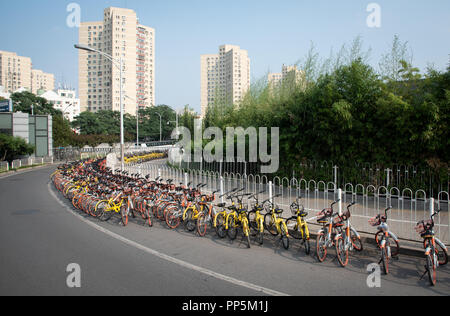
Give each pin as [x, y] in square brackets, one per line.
[124, 215]
[202, 225]
[394, 250]
[270, 226]
[284, 237]
[431, 270]
[342, 254]
[220, 225]
[189, 222]
[149, 215]
[385, 260]
[321, 249]
[232, 227]
[356, 242]
[295, 232]
[251, 216]
[307, 246]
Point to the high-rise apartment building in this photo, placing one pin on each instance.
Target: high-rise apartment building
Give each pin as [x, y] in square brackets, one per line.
[41, 81]
[121, 36]
[15, 71]
[225, 77]
[288, 74]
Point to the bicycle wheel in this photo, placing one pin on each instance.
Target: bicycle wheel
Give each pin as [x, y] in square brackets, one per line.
[307, 246]
[124, 215]
[284, 237]
[270, 225]
[395, 247]
[246, 231]
[385, 260]
[148, 210]
[252, 221]
[260, 232]
[342, 253]
[202, 225]
[442, 255]
[220, 225]
[232, 227]
[294, 232]
[173, 220]
[356, 241]
[431, 269]
[104, 211]
[321, 248]
[189, 221]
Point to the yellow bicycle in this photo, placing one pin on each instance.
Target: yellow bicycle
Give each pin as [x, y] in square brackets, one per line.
[300, 228]
[256, 218]
[191, 215]
[105, 209]
[238, 218]
[221, 217]
[275, 224]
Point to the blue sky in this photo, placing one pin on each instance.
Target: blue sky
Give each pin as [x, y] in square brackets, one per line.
[274, 32]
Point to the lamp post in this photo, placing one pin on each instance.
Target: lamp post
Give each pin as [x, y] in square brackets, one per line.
[118, 64]
[160, 126]
[137, 118]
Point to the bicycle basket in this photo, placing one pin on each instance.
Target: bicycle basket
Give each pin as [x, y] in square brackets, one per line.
[323, 215]
[346, 215]
[423, 226]
[375, 221]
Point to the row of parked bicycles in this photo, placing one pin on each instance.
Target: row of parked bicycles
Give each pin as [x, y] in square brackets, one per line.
[101, 193]
[144, 157]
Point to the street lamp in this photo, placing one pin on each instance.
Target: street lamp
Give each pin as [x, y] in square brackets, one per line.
[137, 118]
[160, 126]
[118, 64]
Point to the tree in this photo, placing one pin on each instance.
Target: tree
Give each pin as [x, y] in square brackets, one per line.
[390, 64]
[13, 147]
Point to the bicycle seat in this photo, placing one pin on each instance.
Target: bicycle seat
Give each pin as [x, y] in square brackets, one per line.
[221, 205]
[279, 211]
[244, 210]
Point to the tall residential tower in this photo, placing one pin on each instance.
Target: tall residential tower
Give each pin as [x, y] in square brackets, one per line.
[121, 36]
[225, 77]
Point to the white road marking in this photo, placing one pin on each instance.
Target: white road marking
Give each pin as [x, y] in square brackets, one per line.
[169, 258]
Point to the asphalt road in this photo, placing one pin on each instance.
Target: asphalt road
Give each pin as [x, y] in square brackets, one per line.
[41, 234]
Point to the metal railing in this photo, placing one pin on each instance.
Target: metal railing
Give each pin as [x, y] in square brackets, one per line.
[409, 206]
[25, 162]
[431, 180]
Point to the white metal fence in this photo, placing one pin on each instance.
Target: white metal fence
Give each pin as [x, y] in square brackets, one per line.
[408, 207]
[25, 162]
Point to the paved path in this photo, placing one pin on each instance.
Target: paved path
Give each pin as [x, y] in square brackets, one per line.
[41, 234]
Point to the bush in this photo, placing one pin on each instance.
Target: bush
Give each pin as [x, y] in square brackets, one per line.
[13, 147]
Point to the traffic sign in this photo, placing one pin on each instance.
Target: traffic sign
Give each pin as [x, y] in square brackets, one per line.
[5, 106]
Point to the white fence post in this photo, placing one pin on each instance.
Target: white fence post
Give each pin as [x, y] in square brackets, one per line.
[340, 201]
[186, 180]
[222, 189]
[431, 207]
[335, 168]
[270, 191]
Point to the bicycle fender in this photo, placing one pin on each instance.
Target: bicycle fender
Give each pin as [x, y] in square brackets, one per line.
[440, 243]
[393, 236]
